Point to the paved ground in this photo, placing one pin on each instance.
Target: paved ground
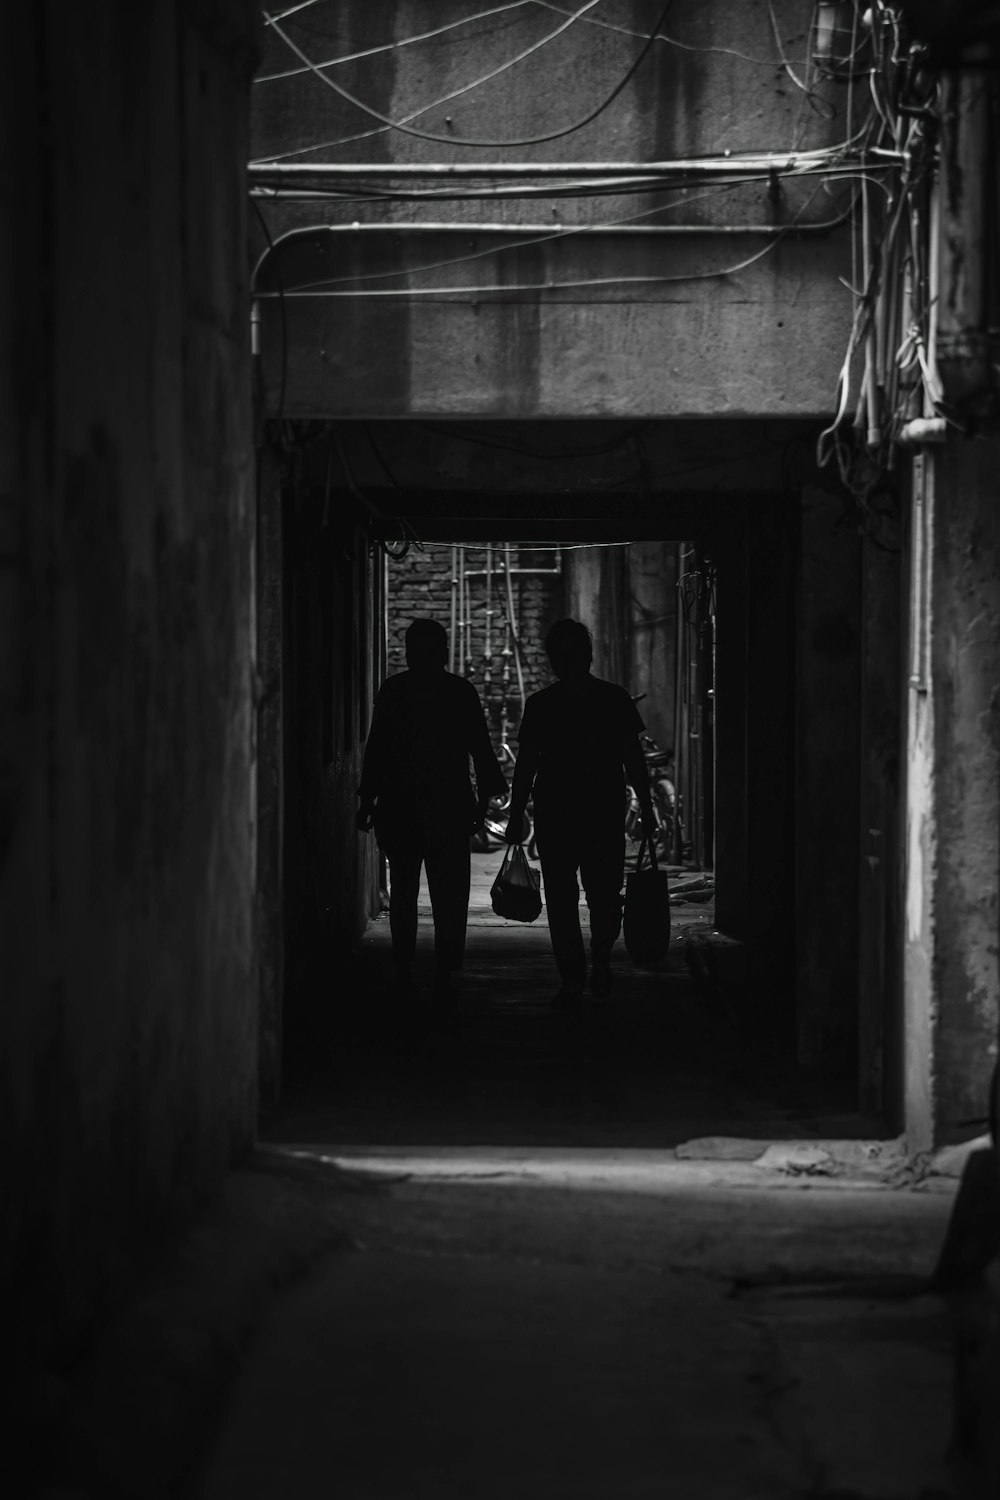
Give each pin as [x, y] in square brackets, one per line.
[587, 1272]
[663, 1061]
[604, 1325]
[630, 1257]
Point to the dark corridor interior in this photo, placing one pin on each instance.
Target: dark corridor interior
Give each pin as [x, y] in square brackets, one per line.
[752, 1026]
[678, 1053]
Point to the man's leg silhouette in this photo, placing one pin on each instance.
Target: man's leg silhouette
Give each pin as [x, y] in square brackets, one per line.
[446, 860]
[559, 857]
[602, 871]
[405, 859]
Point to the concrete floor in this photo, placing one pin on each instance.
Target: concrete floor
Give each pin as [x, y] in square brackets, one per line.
[587, 1273]
[618, 1325]
[661, 1062]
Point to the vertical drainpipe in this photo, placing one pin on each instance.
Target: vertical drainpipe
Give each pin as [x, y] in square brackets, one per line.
[460, 650]
[680, 717]
[454, 609]
[488, 632]
[256, 372]
[383, 653]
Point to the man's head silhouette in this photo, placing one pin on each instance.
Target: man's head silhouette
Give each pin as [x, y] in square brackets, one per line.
[426, 645]
[570, 647]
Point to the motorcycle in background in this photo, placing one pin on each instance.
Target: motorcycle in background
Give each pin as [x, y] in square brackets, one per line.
[666, 834]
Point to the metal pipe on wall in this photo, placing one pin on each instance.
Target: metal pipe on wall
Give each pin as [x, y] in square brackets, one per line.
[556, 230]
[488, 629]
[513, 622]
[826, 160]
[460, 649]
[680, 713]
[524, 572]
[454, 609]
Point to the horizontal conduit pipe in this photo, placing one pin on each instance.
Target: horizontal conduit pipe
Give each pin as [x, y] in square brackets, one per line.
[556, 228]
[529, 572]
[764, 161]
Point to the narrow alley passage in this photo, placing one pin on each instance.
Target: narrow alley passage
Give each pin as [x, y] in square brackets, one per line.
[676, 1053]
[679, 323]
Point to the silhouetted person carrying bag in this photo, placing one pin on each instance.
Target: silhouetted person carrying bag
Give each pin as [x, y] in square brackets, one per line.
[578, 740]
[416, 792]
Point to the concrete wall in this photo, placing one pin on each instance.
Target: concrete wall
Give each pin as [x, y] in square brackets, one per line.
[596, 593]
[652, 634]
[330, 874]
[272, 671]
[953, 792]
[712, 318]
[127, 867]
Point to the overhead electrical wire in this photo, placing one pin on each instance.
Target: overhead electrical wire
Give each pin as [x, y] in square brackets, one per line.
[577, 283]
[585, 19]
[622, 188]
[293, 10]
[662, 36]
[891, 144]
[485, 15]
[795, 225]
[284, 321]
[456, 93]
[889, 373]
[393, 46]
[781, 50]
[482, 144]
[347, 183]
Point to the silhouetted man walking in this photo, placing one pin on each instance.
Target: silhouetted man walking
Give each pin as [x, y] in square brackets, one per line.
[415, 790]
[578, 740]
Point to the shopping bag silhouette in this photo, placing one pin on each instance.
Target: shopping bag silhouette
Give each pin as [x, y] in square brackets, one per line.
[646, 921]
[515, 892]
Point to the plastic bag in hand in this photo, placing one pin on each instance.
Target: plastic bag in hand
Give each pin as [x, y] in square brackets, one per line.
[515, 891]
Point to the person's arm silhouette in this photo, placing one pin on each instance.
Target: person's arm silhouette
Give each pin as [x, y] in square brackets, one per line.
[524, 780]
[490, 780]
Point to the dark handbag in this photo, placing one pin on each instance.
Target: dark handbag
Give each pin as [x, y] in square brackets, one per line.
[647, 911]
[515, 892]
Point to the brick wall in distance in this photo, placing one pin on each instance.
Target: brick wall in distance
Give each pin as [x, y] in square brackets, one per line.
[420, 587]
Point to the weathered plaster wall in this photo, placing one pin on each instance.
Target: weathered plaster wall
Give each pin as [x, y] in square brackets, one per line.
[332, 616]
[712, 320]
[965, 666]
[754, 345]
[126, 815]
[272, 592]
[952, 792]
[652, 635]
